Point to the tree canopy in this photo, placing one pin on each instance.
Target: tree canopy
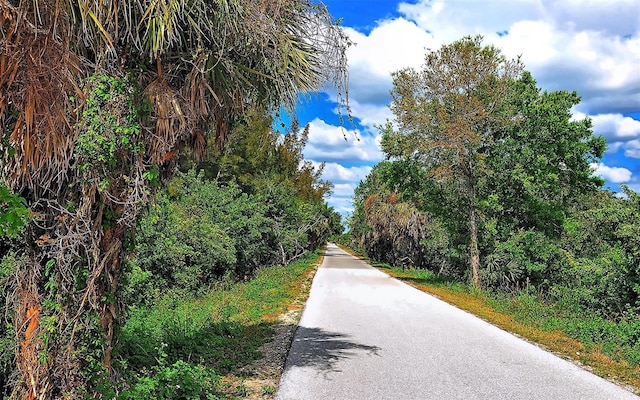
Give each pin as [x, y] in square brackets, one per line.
[483, 153]
[447, 116]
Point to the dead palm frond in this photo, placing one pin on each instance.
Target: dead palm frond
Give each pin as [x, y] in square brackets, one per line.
[38, 103]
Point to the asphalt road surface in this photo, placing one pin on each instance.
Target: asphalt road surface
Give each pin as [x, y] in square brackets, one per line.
[364, 335]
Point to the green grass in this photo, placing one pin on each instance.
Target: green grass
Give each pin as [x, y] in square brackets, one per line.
[423, 277]
[619, 340]
[166, 349]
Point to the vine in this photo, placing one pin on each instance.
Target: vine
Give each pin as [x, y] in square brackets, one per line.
[110, 126]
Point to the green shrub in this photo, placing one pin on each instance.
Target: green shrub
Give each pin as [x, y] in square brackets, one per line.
[198, 232]
[8, 265]
[527, 258]
[180, 380]
[193, 235]
[600, 285]
[182, 248]
[13, 212]
[602, 269]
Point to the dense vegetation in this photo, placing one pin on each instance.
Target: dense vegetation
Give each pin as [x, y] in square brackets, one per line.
[488, 180]
[100, 104]
[192, 243]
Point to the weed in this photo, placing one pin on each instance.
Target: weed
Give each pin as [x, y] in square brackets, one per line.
[268, 390]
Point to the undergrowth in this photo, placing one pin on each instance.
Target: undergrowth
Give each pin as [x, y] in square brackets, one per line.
[187, 348]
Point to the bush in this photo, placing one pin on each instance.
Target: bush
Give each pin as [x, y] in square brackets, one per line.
[199, 231]
[526, 259]
[600, 285]
[181, 247]
[196, 233]
[602, 268]
[180, 380]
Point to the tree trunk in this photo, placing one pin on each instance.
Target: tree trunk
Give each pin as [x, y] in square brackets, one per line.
[474, 253]
[56, 314]
[111, 246]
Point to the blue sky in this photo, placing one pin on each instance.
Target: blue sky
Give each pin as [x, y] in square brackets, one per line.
[590, 46]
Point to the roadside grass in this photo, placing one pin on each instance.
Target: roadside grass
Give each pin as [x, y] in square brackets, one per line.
[608, 349]
[199, 348]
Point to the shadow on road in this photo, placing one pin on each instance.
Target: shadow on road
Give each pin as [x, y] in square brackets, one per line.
[321, 350]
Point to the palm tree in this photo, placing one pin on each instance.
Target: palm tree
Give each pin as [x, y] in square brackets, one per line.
[97, 99]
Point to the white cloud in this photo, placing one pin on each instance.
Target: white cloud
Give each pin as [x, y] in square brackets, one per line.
[337, 173]
[616, 17]
[602, 69]
[392, 45]
[343, 205]
[632, 149]
[616, 127]
[389, 47]
[371, 115]
[619, 131]
[327, 143]
[450, 20]
[612, 174]
[343, 190]
[332, 143]
[592, 47]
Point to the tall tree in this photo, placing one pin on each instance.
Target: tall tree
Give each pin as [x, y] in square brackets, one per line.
[96, 100]
[447, 114]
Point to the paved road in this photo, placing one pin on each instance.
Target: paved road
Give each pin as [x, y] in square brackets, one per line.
[364, 335]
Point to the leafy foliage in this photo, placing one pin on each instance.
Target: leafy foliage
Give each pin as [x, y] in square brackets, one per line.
[448, 114]
[602, 269]
[541, 166]
[199, 232]
[517, 162]
[526, 258]
[498, 163]
[110, 121]
[13, 212]
[195, 233]
[98, 100]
